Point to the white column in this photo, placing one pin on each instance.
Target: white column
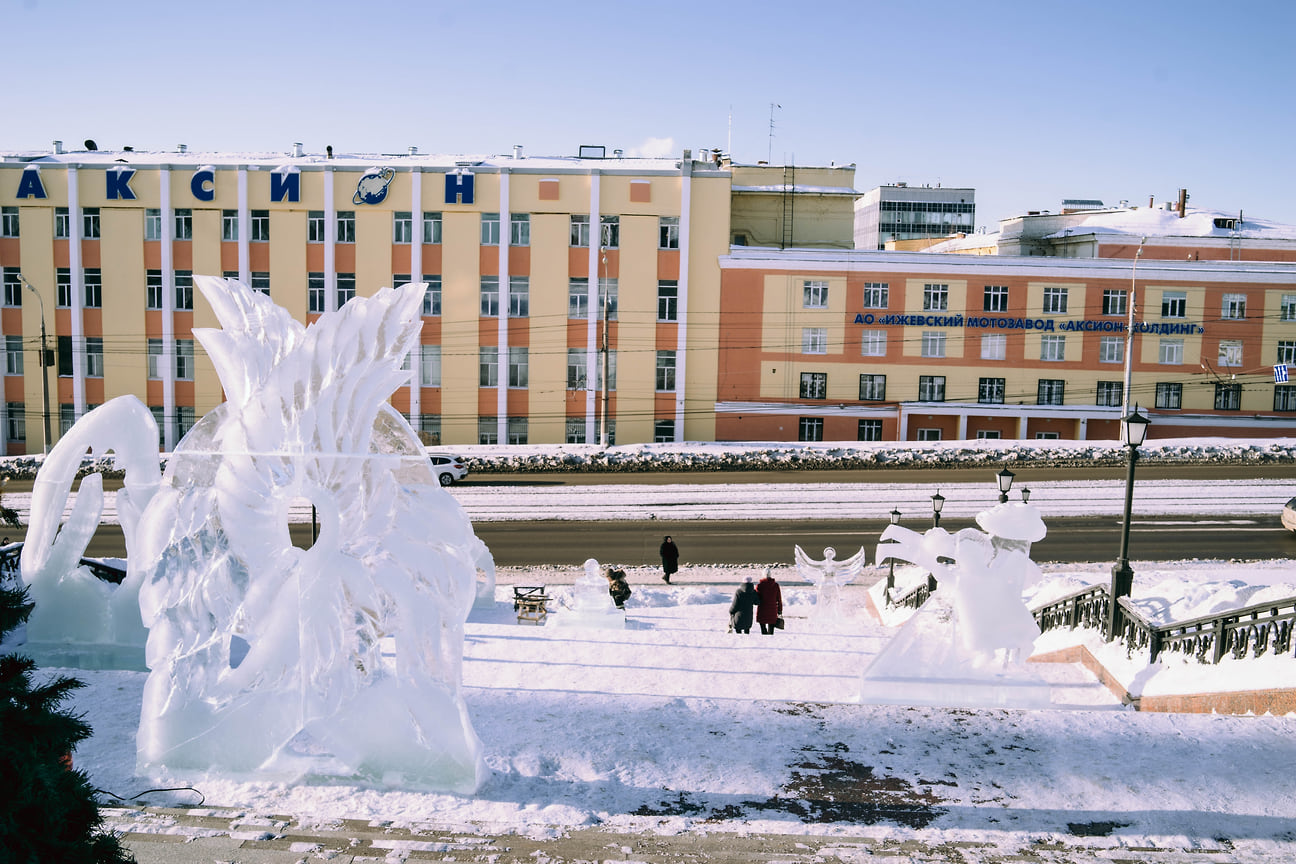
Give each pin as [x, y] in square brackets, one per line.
[416, 275]
[681, 326]
[962, 426]
[244, 229]
[78, 299]
[592, 314]
[168, 309]
[501, 392]
[330, 243]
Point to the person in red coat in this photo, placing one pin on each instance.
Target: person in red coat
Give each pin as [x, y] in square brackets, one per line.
[770, 607]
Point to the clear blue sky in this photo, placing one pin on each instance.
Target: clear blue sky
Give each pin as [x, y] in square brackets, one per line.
[1027, 102]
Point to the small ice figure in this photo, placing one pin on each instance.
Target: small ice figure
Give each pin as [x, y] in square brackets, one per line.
[829, 575]
[592, 604]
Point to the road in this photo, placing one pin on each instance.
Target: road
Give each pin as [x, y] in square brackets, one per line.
[1180, 513]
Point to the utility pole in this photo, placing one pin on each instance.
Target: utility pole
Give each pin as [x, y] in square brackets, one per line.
[44, 363]
[1126, 394]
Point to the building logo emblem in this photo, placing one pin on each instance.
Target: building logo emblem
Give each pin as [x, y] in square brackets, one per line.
[372, 188]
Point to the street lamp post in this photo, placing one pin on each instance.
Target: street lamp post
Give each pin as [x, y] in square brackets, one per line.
[1134, 428]
[44, 364]
[1025, 496]
[938, 501]
[895, 520]
[1129, 333]
[1005, 483]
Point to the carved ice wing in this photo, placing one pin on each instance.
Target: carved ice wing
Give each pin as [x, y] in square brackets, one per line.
[255, 334]
[808, 568]
[849, 568]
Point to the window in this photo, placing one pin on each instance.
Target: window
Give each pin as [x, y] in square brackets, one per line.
[612, 366]
[402, 227]
[814, 385]
[870, 430]
[577, 360]
[876, 295]
[668, 238]
[1284, 397]
[346, 226]
[519, 229]
[815, 294]
[1111, 349]
[154, 353]
[184, 419]
[990, 391]
[431, 227]
[430, 366]
[578, 298]
[13, 287]
[517, 430]
[184, 289]
[8, 221]
[518, 366]
[94, 358]
[152, 224]
[1234, 307]
[665, 371]
[63, 347]
[611, 430]
[933, 343]
[62, 223]
[429, 427]
[183, 224]
[93, 277]
[1174, 304]
[519, 296]
[184, 359]
[1169, 395]
[487, 430]
[432, 295]
[1047, 436]
[663, 431]
[490, 229]
[315, 226]
[580, 230]
[90, 223]
[346, 288]
[872, 388]
[609, 297]
[229, 225]
[67, 417]
[316, 293]
[1055, 300]
[1053, 347]
[929, 434]
[1110, 392]
[667, 300]
[1286, 352]
[13, 355]
[63, 286]
[931, 388]
[575, 432]
[1228, 397]
[1114, 301]
[1170, 352]
[260, 282]
[490, 297]
[995, 298]
[873, 343]
[1287, 311]
[814, 340]
[488, 366]
[994, 346]
[810, 429]
[153, 289]
[15, 421]
[1051, 391]
[935, 297]
[1230, 352]
[610, 232]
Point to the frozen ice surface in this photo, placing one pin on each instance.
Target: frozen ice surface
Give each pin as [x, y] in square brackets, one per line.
[592, 604]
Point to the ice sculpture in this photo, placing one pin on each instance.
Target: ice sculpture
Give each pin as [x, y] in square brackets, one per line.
[968, 644]
[269, 661]
[828, 575]
[592, 604]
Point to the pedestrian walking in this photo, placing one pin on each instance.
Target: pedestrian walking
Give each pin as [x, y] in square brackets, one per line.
[670, 558]
[769, 612]
[740, 610]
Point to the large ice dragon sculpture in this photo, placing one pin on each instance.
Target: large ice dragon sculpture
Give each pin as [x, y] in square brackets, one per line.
[275, 662]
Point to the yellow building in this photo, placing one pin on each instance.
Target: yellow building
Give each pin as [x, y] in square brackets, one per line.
[529, 262]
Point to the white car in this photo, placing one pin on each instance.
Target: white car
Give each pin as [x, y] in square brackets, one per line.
[1289, 515]
[449, 469]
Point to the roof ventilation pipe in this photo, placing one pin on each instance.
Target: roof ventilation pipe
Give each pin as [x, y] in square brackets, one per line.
[58, 147]
[297, 149]
[517, 151]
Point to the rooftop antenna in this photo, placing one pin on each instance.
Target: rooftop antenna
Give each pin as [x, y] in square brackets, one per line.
[729, 142]
[769, 155]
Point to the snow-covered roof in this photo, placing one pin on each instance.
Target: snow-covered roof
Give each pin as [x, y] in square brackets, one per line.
[1197, 222]
[799, 189]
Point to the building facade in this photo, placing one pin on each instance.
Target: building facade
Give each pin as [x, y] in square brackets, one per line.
[900, 212]
[822, 346]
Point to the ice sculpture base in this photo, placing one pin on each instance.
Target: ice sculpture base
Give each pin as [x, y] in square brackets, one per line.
[923, 665]
[603, 619]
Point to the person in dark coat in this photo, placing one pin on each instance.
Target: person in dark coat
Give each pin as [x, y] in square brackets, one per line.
[670, 559]
[770, 607]
[740, 610]
[618, 587]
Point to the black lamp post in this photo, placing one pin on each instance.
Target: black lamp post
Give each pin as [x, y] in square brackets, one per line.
[1025, 496]
[1134, 428]
[938, 501]
[45, 363]
[1005, 483]
[895, 520]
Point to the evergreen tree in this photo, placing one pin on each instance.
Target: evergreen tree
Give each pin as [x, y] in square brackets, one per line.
[47, 811]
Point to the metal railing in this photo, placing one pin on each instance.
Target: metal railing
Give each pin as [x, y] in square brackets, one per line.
[915, 596]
